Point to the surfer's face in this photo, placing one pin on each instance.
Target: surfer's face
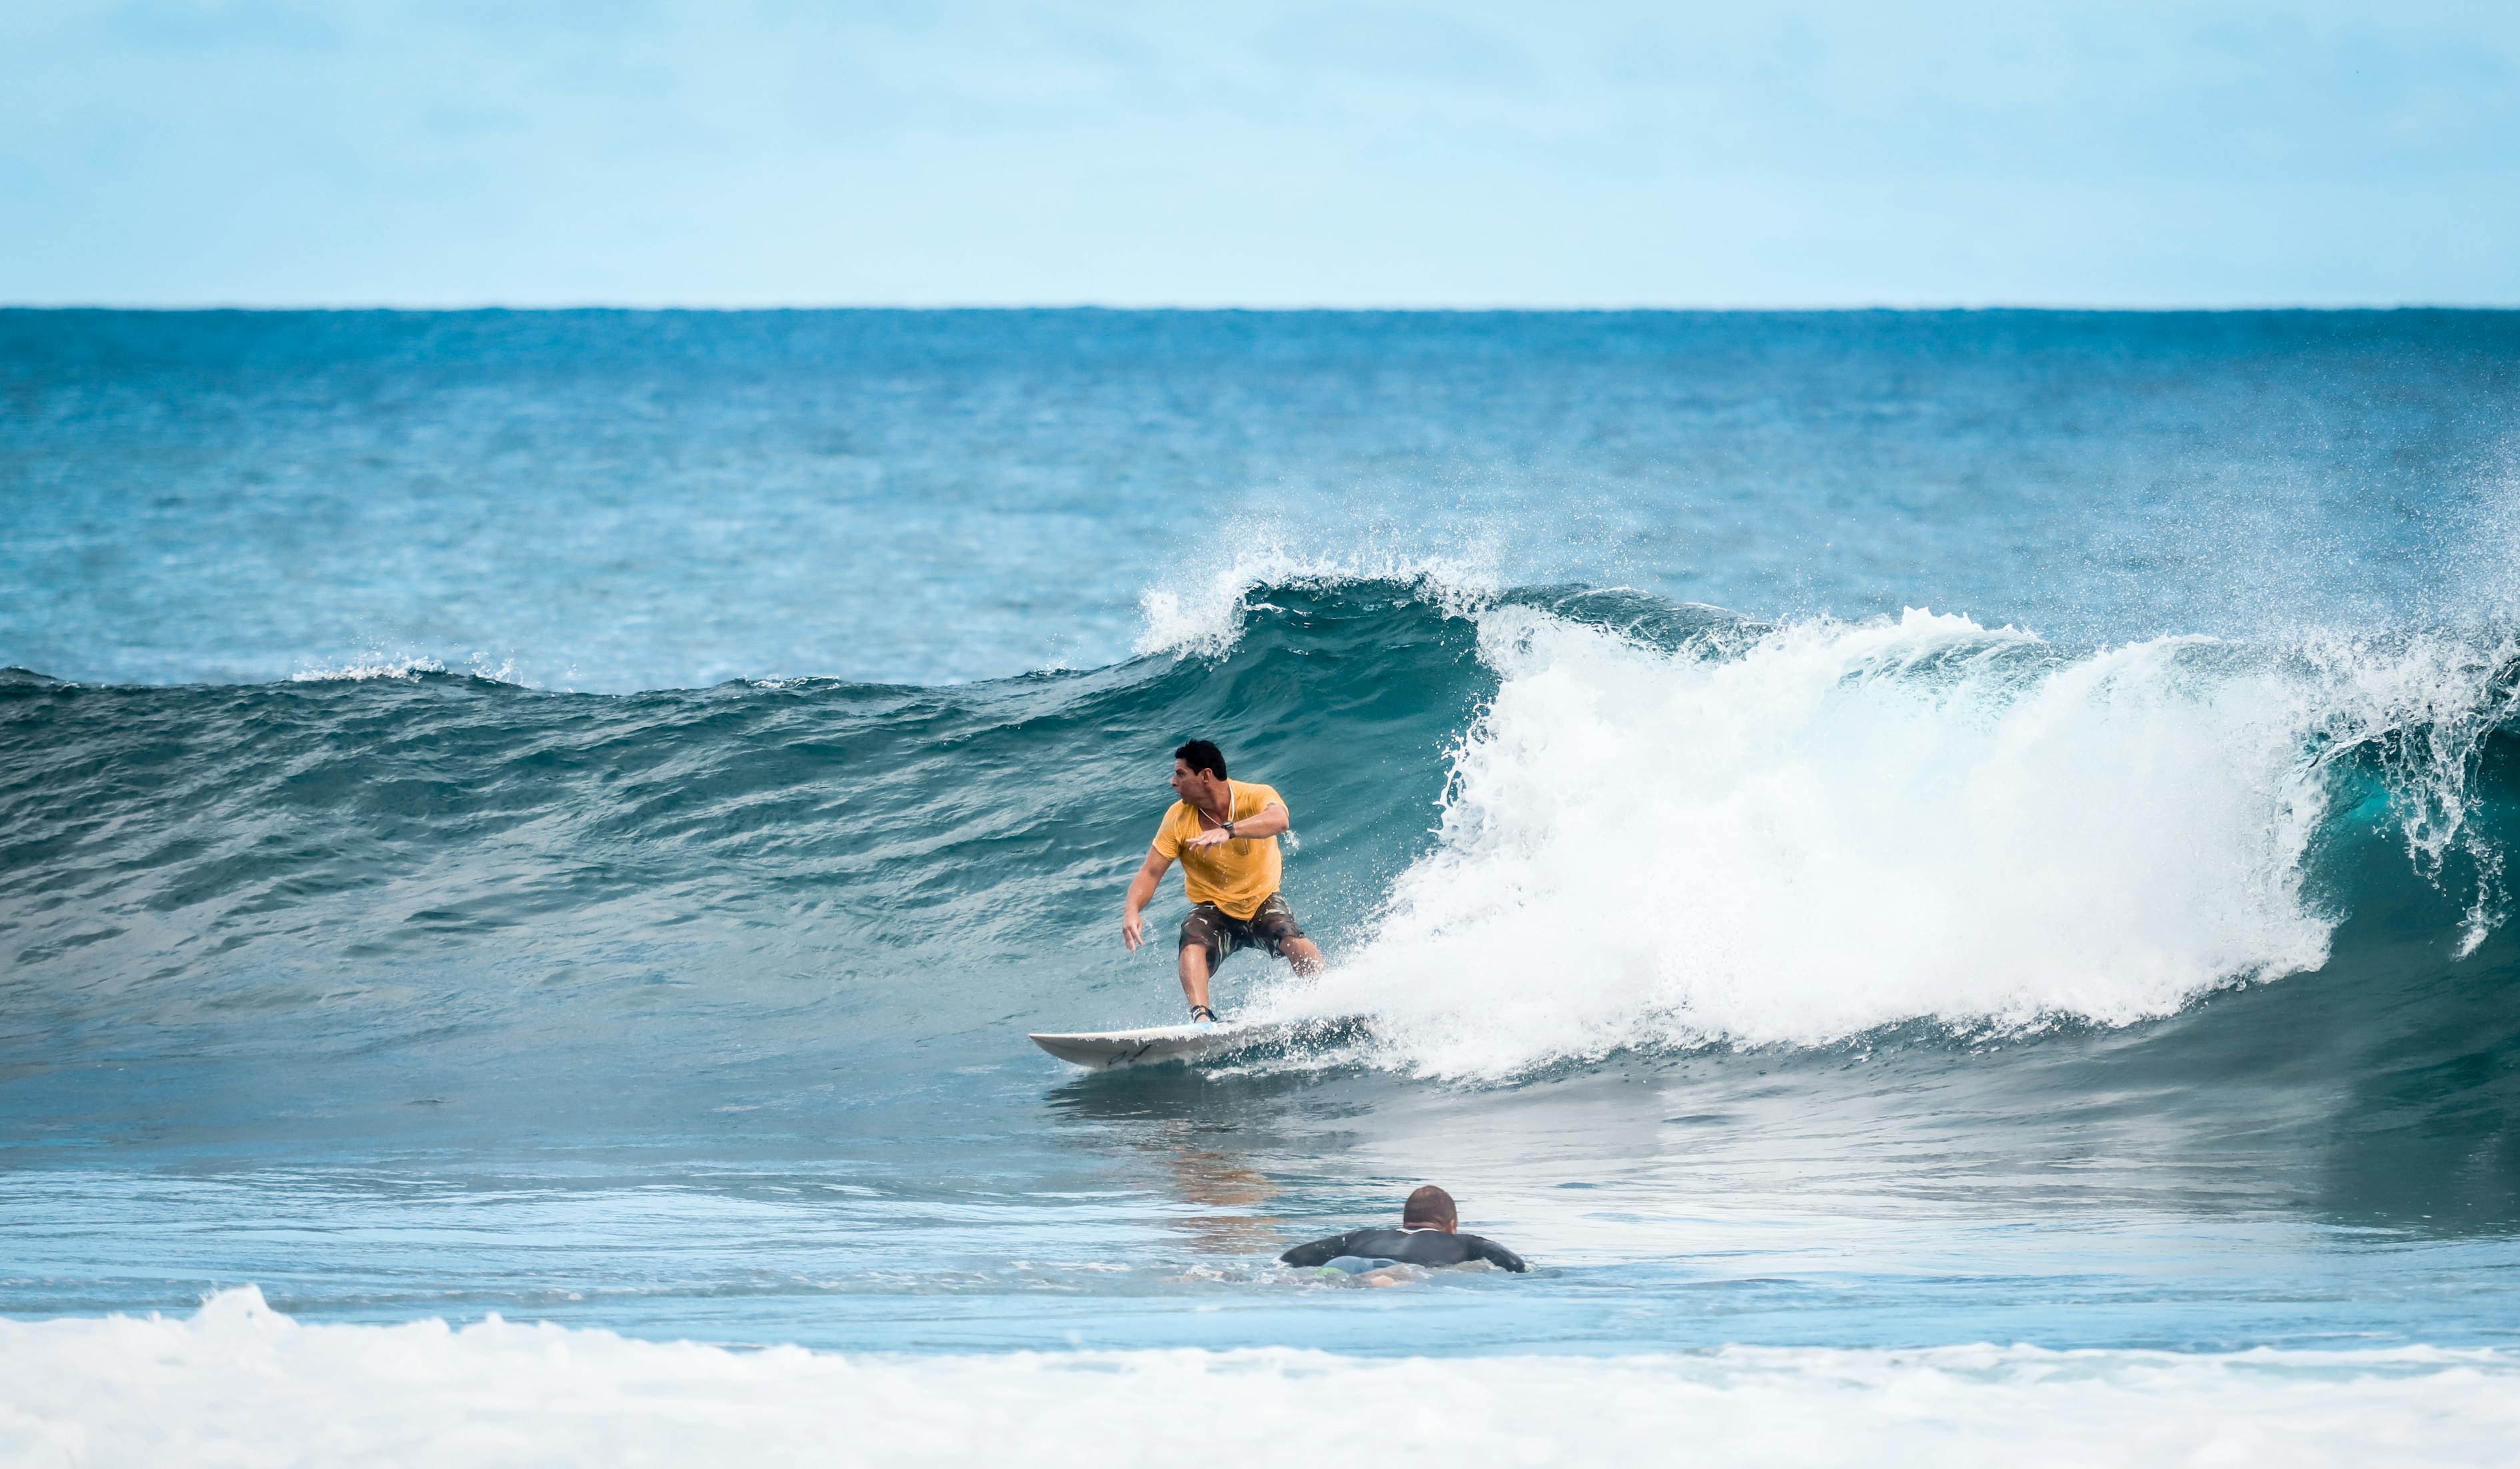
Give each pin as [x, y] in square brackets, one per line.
[1191, 786]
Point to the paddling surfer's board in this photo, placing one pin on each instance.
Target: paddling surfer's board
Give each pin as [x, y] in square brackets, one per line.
[1101, 1050]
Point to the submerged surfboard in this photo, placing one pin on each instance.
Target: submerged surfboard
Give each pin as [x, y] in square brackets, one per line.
[1103, 1051]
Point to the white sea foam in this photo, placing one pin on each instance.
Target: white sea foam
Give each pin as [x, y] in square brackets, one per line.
[1839, 826]
[238, 1383]
[366, 667]
[363, 669]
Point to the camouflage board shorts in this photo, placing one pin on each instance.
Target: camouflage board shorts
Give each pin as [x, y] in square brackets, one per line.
[1220, 933]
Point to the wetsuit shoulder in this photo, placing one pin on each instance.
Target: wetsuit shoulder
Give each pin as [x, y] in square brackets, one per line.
[1427, 1247]
[1483, 1248]
[1410, 1246]
[1321, 1251]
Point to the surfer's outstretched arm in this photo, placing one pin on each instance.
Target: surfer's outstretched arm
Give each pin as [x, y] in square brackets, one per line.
[1142, 891]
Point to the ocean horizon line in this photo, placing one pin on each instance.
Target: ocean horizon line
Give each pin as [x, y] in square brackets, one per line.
[1430, 309]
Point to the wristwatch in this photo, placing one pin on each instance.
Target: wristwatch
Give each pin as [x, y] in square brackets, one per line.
[1229, 831]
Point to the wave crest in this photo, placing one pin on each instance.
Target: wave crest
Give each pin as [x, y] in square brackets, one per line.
[1206, 616]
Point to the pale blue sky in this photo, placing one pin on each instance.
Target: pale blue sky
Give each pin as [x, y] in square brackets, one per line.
[2133, 152]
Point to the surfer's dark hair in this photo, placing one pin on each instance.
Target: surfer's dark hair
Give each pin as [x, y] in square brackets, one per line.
[1202, 755]
[1429, 1205]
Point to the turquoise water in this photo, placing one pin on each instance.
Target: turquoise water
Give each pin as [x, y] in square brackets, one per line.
[572, 815]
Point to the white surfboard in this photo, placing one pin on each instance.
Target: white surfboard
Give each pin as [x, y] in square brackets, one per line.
[1103, 1051]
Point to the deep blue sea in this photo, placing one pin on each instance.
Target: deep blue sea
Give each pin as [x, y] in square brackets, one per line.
[1866, 830]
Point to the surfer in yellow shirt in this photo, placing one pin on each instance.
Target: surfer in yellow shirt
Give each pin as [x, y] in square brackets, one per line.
[1224, 836]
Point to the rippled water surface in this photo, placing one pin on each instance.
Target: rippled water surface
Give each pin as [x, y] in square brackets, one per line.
[572, 815]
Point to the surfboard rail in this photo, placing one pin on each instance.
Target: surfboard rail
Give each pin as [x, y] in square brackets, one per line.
[1189, 1045]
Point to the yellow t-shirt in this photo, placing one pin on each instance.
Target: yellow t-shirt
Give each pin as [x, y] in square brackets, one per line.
[1236, 876]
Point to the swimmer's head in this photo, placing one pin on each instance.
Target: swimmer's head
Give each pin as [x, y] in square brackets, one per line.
[1429, 1208]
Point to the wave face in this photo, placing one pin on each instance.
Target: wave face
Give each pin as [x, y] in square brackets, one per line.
[394, 858]
[1534, 827]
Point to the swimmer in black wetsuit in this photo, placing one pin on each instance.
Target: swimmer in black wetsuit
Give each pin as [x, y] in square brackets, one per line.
[1429, 1234]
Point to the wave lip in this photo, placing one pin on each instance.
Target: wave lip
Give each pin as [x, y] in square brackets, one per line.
[1206, 616]
[238, 1381]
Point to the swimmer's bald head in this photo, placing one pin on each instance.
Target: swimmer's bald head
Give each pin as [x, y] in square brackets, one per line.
[1429, 1208]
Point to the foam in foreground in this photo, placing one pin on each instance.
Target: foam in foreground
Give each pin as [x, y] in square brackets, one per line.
[240, 1383]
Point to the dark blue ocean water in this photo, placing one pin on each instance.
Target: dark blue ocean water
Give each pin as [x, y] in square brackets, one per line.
[1858, 830]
